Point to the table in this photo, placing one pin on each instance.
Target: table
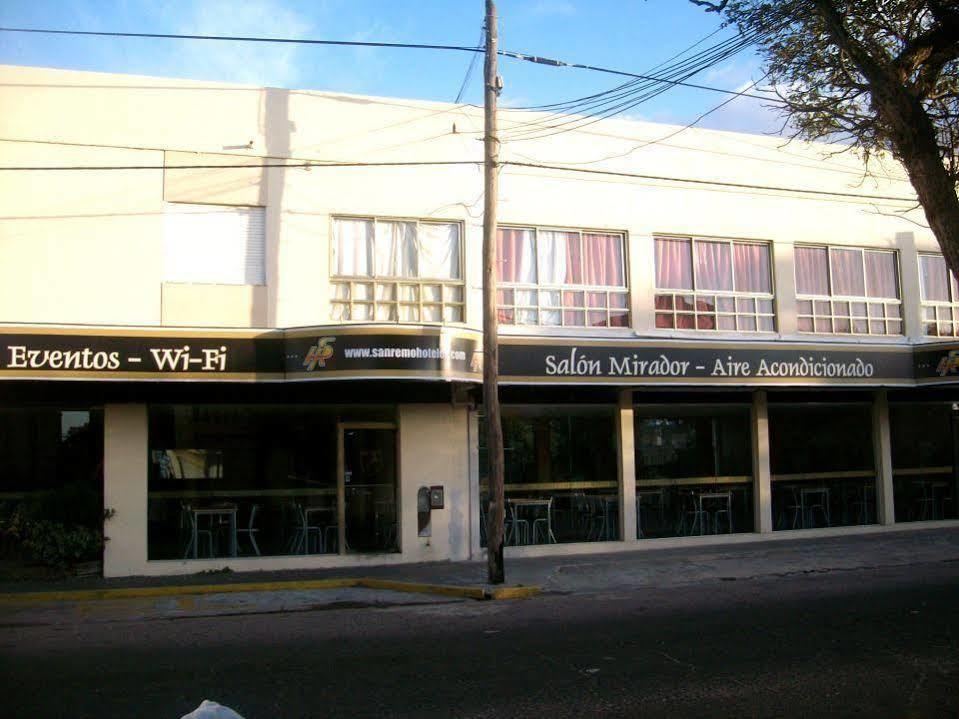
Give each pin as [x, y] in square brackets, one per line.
[321, 529]
[528, 502]
[659, 495]
[212, 511]
[727, 497]
[811, 493]
[610, 502]
[929, 502]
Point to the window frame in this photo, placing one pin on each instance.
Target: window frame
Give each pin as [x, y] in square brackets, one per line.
[514, 308]
[939, 307]
[832, 299]
[736, 314]
[177, 208]
[398, 283]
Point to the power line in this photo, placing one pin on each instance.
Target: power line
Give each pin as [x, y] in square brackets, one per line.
[305, 165]
[237, 38]
[469, 70]
[423, 163]
[356, 43]
[673, 134]
[619, 103]
[718, 183]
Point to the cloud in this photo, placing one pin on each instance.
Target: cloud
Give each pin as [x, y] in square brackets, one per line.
[550, 8]
[242, 62]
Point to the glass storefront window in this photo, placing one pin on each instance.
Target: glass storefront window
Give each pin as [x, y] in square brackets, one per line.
[693, 471]
[561, 475]
[922, 454]
[823, 472]
[231, 480]
[52, 460]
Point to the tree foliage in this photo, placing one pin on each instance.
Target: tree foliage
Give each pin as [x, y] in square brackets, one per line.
[881, 75]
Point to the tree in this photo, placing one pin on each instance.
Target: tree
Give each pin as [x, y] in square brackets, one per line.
[881, 75]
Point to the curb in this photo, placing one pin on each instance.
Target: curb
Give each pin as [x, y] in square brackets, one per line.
[446, 590]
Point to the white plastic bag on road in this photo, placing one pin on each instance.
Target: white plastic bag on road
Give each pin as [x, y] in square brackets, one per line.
[211, 710]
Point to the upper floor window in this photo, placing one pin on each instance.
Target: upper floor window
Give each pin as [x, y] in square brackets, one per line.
[396, 271]
[845, 290]
[562, 278]
[214, 244]
[713, 285]
[939, 293]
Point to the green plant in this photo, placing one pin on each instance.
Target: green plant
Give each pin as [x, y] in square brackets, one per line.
[61, 545]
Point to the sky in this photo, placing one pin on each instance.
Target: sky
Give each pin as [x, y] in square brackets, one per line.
[630, 35]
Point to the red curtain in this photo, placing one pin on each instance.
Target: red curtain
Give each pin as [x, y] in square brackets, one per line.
[714, 267]
[845, 266]
[603, 260]
[674, 264]
[751, 267]
[515, 259]
[812, 277]
[881, 277]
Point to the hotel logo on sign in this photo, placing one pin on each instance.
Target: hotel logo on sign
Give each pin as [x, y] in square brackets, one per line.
[948, 364]
[319, 353]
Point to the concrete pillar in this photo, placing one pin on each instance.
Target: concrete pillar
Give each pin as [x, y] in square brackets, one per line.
[762, 474]
[882, 451]
[125, 448]
[472, 432]
[433, 451]
[642, 281]
[626, 464]
[784, 277]
[909, 284]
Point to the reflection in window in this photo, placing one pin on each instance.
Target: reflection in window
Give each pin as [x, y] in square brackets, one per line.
[823, 474]
[847, 291]
[939, 293]
[52, 461]
[922, 455]
[561, 278]
[561, 475]
[693, 471]
[235, 480]
[713, 285]
[396, 271]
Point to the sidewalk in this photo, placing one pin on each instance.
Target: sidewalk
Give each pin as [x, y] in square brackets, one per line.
[580, 574]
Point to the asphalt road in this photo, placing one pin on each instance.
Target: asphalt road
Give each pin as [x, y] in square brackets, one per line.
[876, 643]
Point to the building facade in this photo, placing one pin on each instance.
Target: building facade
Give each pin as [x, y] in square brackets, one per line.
[247, 322]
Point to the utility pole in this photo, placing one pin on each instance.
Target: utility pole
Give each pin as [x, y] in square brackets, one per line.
[494, 427]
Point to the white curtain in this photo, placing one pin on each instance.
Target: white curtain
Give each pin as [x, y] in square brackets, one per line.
[395, 249]
[439, 251]
[551, 256]
[353, 247]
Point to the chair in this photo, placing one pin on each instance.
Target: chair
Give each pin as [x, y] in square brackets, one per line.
[597, 528]
[302, 532]
[195, 533]
[249, 530]
[724, 500]
[520, 527]
[821, 504]
[693, 517]
[545, 525]
[862, 504]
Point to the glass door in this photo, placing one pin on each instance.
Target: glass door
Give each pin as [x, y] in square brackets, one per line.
[367, 487]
